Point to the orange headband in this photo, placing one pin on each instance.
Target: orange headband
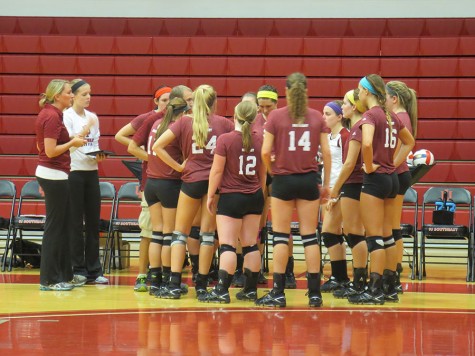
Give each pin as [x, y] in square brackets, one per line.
[162, 91]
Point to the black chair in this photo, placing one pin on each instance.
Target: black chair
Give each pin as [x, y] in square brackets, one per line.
[462, 198]
[30, 193]
[129, 193]
[7, 196]
[107, 197]
[410, 230]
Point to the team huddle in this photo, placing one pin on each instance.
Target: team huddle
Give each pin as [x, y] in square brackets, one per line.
[209, 178]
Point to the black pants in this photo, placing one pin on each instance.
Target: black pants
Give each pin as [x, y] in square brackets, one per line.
[85, 207]
[55, 254]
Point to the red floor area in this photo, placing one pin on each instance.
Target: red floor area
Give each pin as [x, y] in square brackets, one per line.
[242, 332]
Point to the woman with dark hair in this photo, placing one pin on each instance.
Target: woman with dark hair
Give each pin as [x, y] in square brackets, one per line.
[381, 130]
[401, 100]
[294, 133]
[54, 164]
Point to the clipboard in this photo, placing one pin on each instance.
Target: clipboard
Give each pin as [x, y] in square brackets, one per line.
[104, 152]
[417, 172]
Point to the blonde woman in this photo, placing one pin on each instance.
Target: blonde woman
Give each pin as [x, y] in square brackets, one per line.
[197, 137]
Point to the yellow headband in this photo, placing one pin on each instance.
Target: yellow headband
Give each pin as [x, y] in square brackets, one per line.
[351, 97]
[267, 94]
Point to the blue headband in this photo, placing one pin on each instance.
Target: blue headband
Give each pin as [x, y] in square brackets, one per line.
[364, 82]
[336, 108]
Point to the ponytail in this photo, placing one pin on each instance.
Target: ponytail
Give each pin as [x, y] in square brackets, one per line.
[245, 113]
[175, 107]
[297, 99]
[379, 91]
[408, 100]
[204, 98]
[55, 87]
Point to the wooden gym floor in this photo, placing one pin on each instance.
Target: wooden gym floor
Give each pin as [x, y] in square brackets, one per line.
[434, 317]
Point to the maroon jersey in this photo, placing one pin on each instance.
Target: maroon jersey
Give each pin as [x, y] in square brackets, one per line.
[384, 141]
[258, 124]
[295, 145]
[355, 134]
[142, 133]
[156, 167]
[241, 173]
[200, 160]
[138, 121]
[49, 124]
[406, 121]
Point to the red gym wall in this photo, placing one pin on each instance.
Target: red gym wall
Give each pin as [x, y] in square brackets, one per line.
[125, 59]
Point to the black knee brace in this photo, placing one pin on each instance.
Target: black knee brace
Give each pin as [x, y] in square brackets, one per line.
[248, 249]
[167, 239]
[309, 240]
[157, 237]
[397, 234]
[280, 238]
[195, 233]
[389, 241]
[330, 240]
[374, 243]
[354, 240]
[226, 248]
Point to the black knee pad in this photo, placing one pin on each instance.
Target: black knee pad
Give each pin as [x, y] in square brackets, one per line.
[309, 240]
[195, 233]
[374, 243]
[389, 241]
[397, 234]
[207, 238]
[353, 240]
[178, 238]
[281, 238]
[157, 237]
[226, 248]
[167, 240]
[330, 240]
[248, 249]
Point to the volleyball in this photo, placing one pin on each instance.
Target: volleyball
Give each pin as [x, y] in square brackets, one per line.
[410, 159]
[423, 157]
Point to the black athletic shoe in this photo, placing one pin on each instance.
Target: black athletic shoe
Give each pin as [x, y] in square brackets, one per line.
[399, 288]
[184, 288]
[348, 290]
[272, 299]
[244, 295]
[391, 297]
[238, 279]
[314, 300]
[332, 284]
[200, 292]
[154, 288]
[171, 292]
[261, 279]
[290, 282]
[368, 297]
[215, 296]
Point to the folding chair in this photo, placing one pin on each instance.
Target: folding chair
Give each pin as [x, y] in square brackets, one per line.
[410, 230]
[462, 198]
[7, 195]
[107, 197]
[129, 193]
[30, 193]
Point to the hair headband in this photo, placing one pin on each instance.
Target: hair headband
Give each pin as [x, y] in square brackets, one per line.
[364, 82]
[335, 107]
[77, 85]
[351, 98]
[267, 94]
[162, 91]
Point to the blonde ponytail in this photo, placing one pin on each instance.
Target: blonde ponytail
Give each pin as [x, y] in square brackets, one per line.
[245, 112]
[204, 99]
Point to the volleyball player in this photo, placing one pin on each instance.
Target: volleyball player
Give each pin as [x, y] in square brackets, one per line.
[401, 100]
[160, 99]
[239, 174]
[197, 137]
[332, 233]
[380, 132]
[346, 194]
[294, 133]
